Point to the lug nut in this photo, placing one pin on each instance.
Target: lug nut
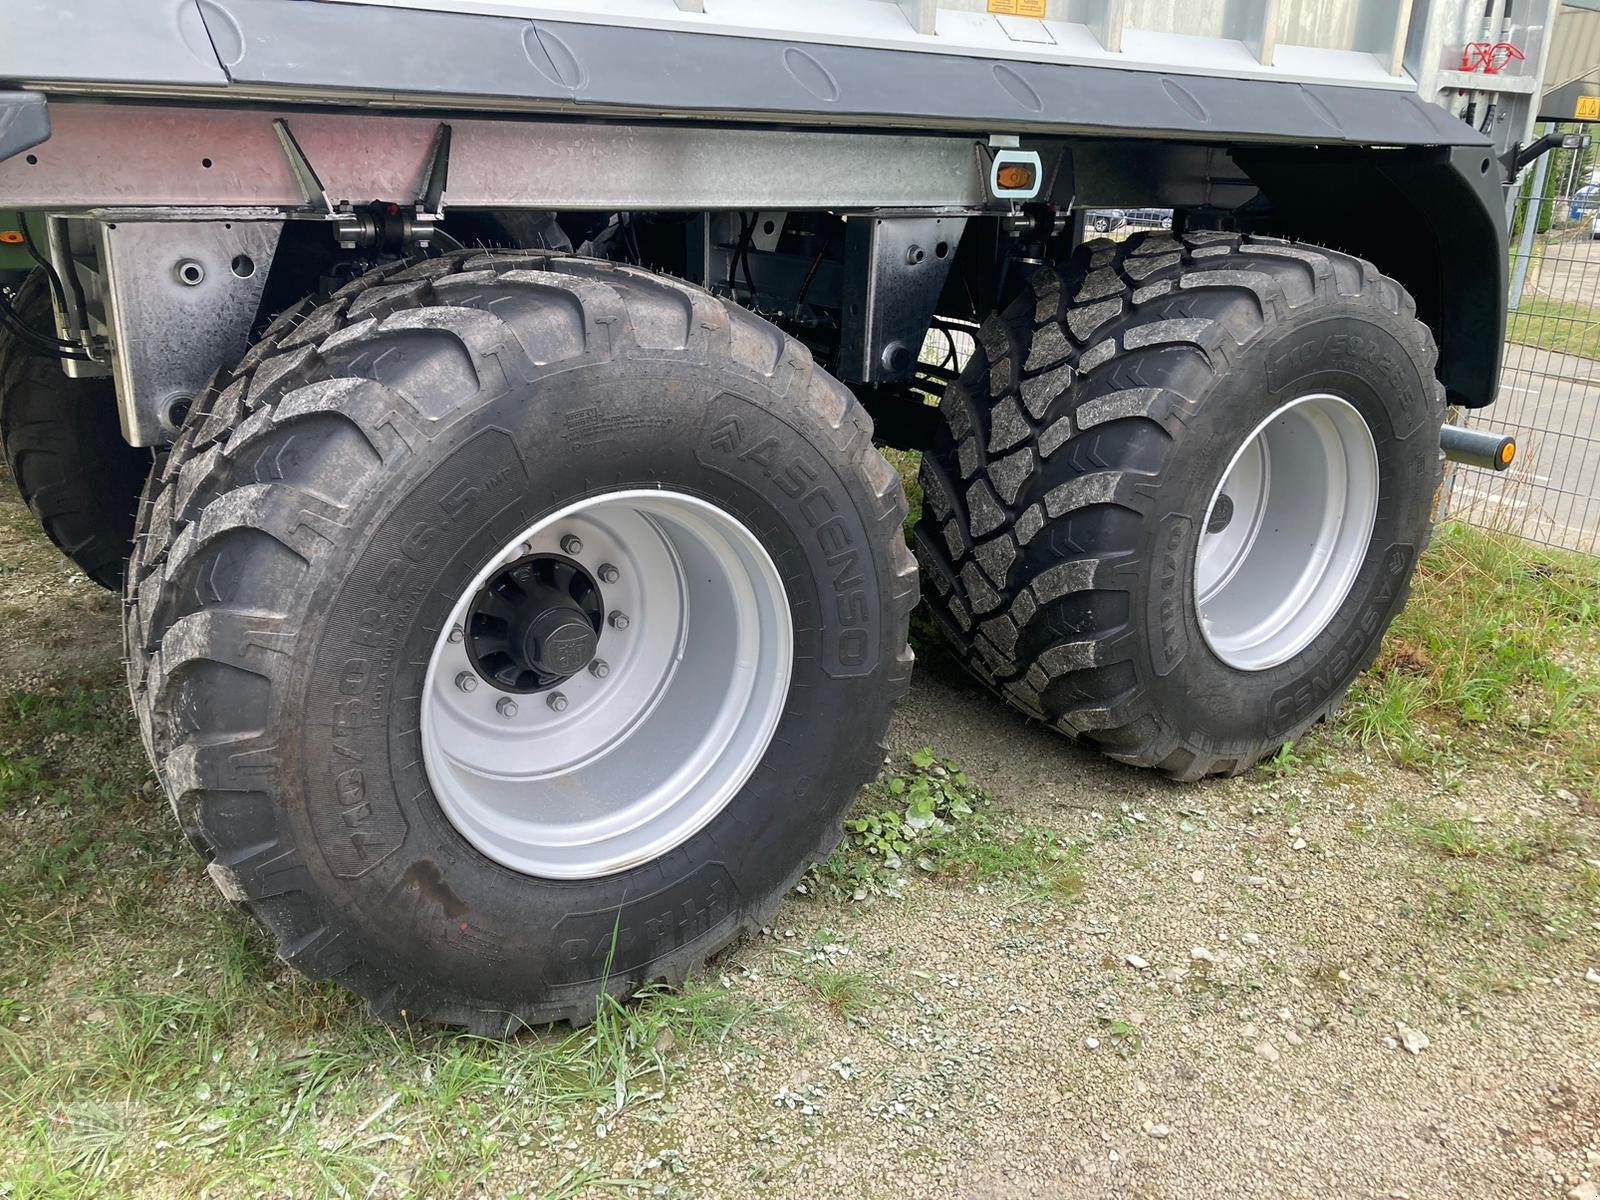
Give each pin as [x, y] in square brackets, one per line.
[609, 573]
[456, 634]
[618, 620]
[506, 707]
[599, 668]
[572, 544]
[467, 681]
[556, 701]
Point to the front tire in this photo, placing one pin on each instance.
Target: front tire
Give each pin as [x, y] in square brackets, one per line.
[349, 531]
[1179, 491]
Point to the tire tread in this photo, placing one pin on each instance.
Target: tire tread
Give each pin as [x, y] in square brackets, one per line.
[1098, 399]
[314, 364]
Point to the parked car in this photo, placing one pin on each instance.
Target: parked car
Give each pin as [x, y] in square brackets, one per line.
[1585, 203]
[1149, 218]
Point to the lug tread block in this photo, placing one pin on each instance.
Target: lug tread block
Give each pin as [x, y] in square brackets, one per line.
[1116, 346]
[592, 304]
[203, 678]
[64, 448]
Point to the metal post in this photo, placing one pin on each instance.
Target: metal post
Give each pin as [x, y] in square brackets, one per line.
[1572, 174]
[1530, 222]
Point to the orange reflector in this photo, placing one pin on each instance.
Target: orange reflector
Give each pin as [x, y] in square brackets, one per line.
[1015, 177]
[10, 237]
[1508, 452]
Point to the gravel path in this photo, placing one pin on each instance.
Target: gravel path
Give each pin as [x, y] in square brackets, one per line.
[1261, 993]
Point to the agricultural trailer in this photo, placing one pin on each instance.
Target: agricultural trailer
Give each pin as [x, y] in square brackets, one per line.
[479, 405]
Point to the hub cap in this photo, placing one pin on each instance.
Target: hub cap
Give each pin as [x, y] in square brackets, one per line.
[534, 623]
[1286, 531]
[644, 703]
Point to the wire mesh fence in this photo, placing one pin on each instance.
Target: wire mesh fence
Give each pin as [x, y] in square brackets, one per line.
[1549, 394]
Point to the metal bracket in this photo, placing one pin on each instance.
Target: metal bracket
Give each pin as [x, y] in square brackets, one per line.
[1519, 156]
[180, 300]
[358, 230]
[435, 176]
[768, 230]
[305, 175]
[896, 267]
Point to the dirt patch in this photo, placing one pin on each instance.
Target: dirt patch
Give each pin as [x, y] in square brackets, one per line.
[52, 619]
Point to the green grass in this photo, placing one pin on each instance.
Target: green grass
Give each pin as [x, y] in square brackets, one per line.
[148, 1034]
[846, 992]
[1460, 898]
[1497, 649]
[231, 1085]
[908, 465]
[1555, 325]
[932, 820]
[1460, 837]
[151, 1040]
[1513, 875]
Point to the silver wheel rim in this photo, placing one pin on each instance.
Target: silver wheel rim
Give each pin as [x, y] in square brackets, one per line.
[635, 762]
[1286, 531]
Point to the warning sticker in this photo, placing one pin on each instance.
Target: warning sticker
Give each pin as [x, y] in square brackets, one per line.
[1017, 8]
[1588, 109]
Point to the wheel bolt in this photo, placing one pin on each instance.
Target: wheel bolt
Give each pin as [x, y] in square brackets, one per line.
[619, 620]
[556, 701]
[609, 574]
[467, 681]
[456, 635]
[572, 544]
[599, 668]
[506, 707]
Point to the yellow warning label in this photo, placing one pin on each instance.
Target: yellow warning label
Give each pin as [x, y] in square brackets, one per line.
[1588, 109]
[1018, 8]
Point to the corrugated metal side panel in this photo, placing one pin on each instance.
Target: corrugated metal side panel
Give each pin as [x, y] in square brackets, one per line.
[1343, 42]
[1324, 24]
[1197, 18]
[1575, 50]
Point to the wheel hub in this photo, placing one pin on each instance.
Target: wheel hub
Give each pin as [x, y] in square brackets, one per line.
[658, 698]
[1221, 514]
[534, 623]
[1286, 532]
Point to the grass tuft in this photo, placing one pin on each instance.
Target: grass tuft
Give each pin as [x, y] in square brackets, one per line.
[1496, 650]
[934, 820]
[1555, 325]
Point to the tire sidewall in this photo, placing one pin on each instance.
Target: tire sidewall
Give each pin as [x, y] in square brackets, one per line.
[1369, 358]
[382, 850]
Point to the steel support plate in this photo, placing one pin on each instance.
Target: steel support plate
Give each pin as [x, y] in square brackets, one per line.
[895, 269]
[181, 297]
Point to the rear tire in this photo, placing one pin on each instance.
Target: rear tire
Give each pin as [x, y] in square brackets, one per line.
[64, 447]
[322, 523]
[1081, 462]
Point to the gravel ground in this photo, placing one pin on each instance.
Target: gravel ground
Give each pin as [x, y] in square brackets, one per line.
[1263, 991]
[1265, 987]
